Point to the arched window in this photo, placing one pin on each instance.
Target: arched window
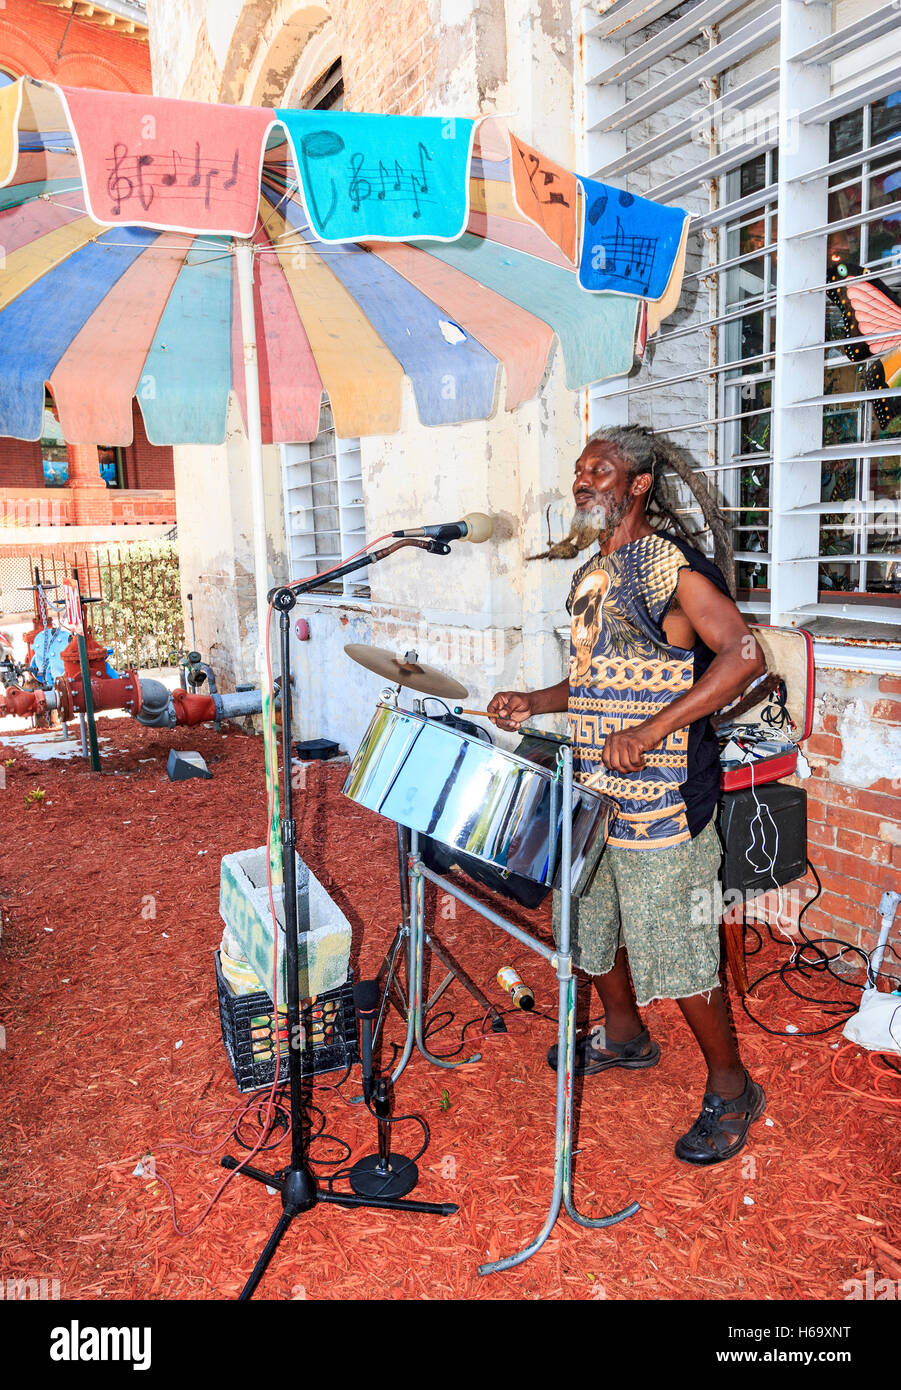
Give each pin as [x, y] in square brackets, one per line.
[7, 77]
[327, 92]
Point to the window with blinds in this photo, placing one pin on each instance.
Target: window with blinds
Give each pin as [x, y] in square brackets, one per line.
[779, 128]
[323, 500]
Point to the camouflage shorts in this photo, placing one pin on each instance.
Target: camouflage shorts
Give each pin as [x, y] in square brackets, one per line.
[662, 906]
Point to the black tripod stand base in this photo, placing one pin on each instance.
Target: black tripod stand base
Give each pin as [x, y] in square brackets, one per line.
[369, 1180]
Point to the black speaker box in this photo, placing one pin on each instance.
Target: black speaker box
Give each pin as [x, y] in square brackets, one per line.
[764, 832]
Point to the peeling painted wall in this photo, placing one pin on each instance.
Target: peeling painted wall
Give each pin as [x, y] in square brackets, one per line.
[854, 800]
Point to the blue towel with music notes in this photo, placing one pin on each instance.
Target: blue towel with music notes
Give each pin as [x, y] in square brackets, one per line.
[392, 178]
[629, 244]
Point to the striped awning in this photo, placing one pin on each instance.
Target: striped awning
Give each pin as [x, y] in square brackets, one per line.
[445, 251]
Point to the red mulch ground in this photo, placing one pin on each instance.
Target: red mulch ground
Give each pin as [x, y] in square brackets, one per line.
[97, 992]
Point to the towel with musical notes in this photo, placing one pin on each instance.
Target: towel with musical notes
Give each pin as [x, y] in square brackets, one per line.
[180, 165]
[629, 244]
[547, 193]
[397, 178]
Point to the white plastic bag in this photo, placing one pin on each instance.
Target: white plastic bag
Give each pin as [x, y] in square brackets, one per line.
[877, 1023]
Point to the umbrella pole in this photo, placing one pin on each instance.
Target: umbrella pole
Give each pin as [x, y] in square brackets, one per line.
[244, 260]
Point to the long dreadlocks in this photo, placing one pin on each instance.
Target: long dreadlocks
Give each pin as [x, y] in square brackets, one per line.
[645, 452]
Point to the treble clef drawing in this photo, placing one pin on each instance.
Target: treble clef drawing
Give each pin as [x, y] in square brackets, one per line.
[358, 184]
[119, 185]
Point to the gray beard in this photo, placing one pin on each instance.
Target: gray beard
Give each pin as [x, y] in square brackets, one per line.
[595, 524]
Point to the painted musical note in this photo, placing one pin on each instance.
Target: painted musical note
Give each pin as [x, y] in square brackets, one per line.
[233, 178]
[423, 156]
[420, 185]
[169, 179]
[145, 192]
[194, 180]
[548, 177]
[319, 144]
[630, 257]
[597, 209]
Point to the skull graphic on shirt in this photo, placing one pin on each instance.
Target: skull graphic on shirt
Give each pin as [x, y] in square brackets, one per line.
[586, 614]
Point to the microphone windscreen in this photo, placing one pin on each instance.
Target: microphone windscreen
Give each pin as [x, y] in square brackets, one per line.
[480, 526]
[366, 996]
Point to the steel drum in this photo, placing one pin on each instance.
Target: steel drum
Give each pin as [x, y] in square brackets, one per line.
[475, 798]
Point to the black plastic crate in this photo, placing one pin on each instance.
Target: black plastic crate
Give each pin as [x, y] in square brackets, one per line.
[248, 1018]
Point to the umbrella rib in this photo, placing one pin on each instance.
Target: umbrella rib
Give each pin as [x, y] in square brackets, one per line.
[290, 190]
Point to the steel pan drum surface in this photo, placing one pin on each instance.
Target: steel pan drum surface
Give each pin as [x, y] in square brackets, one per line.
[471, 796]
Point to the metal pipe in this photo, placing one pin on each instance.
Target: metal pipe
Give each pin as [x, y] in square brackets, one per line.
[416, 1001]
[208, 672]
[232, 704]
[531, 941]
[157, 710]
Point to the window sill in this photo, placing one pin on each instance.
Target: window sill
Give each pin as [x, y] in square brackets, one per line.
[320, 600]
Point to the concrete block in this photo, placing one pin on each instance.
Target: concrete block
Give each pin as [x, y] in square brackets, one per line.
[324, 933]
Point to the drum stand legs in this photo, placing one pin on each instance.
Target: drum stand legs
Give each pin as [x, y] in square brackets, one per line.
[561, 960]
[391, 991]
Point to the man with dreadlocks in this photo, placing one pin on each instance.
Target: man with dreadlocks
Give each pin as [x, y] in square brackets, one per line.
[657, 646]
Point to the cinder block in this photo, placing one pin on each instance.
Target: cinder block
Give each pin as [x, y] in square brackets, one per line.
[183, 764]
[324, 933]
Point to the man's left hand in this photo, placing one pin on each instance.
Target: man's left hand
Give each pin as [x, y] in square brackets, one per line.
[624, 751]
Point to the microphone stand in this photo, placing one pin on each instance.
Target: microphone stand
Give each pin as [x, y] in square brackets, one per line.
[296, 1183]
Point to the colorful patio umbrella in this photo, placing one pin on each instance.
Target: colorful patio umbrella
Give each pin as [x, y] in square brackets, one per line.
[170, 252]
[438, 249]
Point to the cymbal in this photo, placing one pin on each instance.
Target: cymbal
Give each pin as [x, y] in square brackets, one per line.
[400, 670]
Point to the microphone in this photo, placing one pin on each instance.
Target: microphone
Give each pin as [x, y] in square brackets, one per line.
[366, 1000]
[475, 527]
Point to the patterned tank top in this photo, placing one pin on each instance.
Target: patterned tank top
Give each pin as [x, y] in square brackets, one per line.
[622, 671]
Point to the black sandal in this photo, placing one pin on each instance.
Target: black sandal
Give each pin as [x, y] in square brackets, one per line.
[629, 1054]
[713, 1139]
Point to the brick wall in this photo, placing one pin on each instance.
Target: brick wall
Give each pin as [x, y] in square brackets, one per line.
[854, 802]
[20, 463]
[46, 42]
[147, 465]
[389, 54]
[148, 495]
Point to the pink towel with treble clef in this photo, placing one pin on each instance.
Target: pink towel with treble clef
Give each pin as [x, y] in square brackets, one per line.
[185, 165]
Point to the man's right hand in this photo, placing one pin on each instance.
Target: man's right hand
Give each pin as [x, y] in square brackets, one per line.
[509, 709]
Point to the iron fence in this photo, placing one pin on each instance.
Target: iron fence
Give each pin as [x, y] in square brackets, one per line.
[138, 611]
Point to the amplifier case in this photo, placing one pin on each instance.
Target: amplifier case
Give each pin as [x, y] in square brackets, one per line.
[764, 835]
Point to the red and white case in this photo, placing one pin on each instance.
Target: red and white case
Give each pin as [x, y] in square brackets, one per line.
[789, 654]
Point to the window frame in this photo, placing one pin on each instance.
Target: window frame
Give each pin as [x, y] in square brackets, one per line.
[612, 44]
